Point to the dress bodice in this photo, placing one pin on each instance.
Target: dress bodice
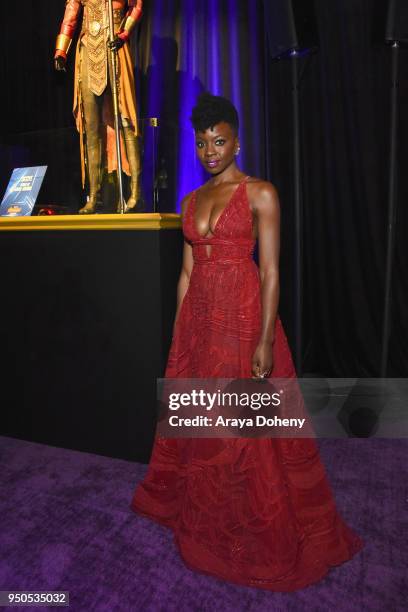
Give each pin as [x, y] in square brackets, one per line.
[232, 239]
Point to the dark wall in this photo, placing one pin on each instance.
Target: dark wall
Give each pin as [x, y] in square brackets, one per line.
[345, 109]
[34, 96]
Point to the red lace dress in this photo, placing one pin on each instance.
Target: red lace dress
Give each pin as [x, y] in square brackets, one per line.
[256, 512]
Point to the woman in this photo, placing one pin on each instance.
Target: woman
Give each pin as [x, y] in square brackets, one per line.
[257, 512]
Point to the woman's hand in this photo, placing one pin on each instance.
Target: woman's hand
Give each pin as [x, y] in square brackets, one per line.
[262, 360]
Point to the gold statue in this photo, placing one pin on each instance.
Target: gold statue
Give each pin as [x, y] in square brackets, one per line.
[92, 93]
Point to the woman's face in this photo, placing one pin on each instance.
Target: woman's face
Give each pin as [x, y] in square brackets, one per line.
[216, 147]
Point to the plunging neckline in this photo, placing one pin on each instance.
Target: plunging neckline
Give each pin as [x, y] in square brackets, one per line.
[227, 206]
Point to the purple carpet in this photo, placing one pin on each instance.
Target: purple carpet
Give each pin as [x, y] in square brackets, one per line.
[66, 525]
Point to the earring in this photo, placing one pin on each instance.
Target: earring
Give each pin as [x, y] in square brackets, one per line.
[237, 151]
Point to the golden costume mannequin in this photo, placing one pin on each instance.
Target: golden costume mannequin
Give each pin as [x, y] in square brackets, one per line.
[92, 94]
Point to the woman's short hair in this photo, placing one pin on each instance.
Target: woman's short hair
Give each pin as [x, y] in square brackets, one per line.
[211, 110]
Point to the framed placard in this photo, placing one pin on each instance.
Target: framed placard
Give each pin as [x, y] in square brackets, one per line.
[22, 191]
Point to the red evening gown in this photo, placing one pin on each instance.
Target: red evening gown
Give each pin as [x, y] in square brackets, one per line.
[257, 512]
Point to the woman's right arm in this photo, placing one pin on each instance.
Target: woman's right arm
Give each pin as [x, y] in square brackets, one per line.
[186, 267]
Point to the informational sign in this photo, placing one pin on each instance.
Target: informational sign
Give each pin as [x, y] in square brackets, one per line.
[22, 191]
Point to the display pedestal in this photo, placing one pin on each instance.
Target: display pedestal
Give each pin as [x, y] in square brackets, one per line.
[86, 321]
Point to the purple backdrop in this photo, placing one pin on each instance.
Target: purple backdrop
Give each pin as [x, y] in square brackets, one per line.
[190, 46]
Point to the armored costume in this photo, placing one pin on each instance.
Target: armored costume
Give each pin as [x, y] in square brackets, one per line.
[92, 95]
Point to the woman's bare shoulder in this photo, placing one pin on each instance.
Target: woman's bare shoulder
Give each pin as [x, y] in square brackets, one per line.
[262, 194]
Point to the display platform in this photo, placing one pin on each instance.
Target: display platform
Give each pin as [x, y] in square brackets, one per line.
[86, 322]
[137, 221]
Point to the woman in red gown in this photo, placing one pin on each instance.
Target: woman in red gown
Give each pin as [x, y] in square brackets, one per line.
[257, 512]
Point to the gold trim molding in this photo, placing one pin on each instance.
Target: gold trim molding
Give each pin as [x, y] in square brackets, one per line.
[139, 221]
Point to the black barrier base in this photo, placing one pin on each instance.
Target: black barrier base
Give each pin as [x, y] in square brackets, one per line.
[86, 320]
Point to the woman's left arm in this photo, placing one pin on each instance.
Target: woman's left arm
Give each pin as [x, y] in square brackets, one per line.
[265, 203]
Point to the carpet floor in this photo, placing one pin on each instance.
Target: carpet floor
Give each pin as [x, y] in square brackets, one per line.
[66, 525]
